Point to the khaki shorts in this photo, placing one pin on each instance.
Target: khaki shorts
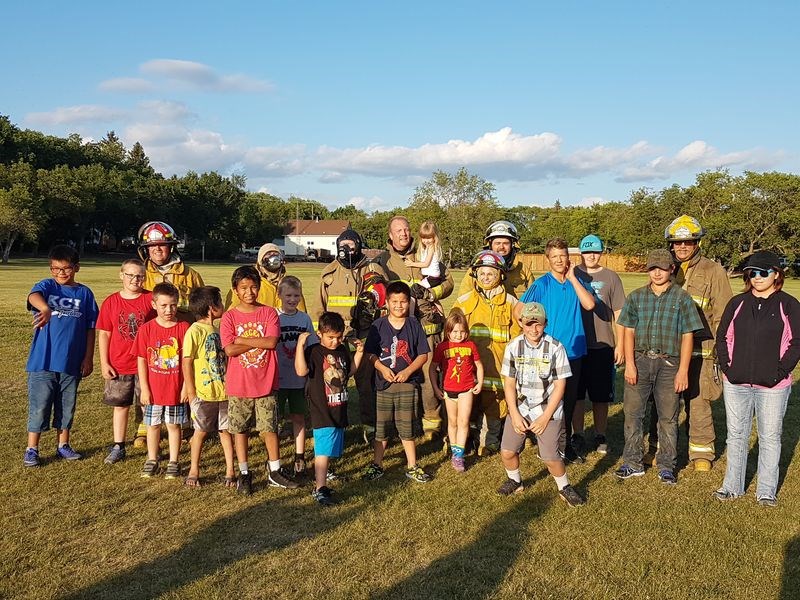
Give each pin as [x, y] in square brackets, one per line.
[208, 415]
[246, 413]
[548, 441]
[122, 391]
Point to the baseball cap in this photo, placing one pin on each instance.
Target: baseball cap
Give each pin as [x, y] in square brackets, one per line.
[764, 259]
[533, 311]
[660, 258]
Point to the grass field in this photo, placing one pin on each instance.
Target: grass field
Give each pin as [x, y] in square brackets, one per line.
[87, 530]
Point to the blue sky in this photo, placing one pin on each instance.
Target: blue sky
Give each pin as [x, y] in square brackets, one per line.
[359, 102]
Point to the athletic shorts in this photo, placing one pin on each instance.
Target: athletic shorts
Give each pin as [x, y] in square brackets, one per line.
[122, 391]
[246, 413]
[395, 405]
[155, 414]
[291, 402]
[329, 441]
[597, 376]
[209, 415]
[548, 441]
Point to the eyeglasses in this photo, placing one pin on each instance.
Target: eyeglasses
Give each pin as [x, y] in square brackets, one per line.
[763, 273]
[62, 270]
[685, 243]
[134, 276]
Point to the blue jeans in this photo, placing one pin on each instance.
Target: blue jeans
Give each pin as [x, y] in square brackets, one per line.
[769, 406]
[49, 391]
[656, 376]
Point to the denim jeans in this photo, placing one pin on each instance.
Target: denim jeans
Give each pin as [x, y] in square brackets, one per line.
[48, 392]
[769, 406]
[656, 376]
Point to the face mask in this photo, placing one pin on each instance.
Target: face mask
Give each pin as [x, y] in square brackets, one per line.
[272, 263]
[346, 256]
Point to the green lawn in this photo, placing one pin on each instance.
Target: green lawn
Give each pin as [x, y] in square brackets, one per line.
[87, 530]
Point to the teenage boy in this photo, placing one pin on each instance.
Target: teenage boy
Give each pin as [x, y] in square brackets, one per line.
[397, 348]
[659, 319]
[164, 397]
[535, 372]
[328, 365]
[250, 333]
[563, 296]
[62, 351]
[121, 316]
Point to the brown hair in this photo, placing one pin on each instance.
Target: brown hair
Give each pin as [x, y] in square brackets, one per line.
[778, 283]
[559, 243]
[456, 317]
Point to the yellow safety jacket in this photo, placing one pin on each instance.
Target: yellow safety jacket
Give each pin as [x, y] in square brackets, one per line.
[391, 261]
[491, 325]
[340, 288]
[518, 279]
[267, 292]
[180, 275]
[709, 286]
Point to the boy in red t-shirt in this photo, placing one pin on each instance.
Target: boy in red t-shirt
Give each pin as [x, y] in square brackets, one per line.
[250, 332]
[462, 376]
[164, 396]
[121, 316]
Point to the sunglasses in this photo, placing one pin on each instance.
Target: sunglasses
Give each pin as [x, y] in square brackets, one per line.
[759, 272]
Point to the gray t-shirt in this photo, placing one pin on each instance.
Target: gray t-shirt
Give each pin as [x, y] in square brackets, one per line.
[291, 328]
[609, 297]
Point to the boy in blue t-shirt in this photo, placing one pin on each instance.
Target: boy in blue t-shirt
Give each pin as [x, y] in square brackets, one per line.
[62, 351]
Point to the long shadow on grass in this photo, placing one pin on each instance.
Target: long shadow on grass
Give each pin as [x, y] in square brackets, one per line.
[790, 582]
[267, 527]
[477, 569]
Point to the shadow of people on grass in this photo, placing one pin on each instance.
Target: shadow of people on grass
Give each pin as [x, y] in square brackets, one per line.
[790, 579]
[255, 530]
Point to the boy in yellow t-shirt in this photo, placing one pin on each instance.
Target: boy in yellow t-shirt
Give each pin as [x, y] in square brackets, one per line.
[204, 364]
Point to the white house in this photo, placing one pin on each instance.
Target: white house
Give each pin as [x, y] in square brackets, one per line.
[304, 236]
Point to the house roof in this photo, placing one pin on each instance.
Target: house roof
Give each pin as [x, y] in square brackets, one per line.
[321, 227]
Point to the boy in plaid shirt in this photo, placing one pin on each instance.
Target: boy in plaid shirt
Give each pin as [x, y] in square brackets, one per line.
[535, 371]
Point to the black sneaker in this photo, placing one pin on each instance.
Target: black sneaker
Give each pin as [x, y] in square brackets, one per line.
[572, 457]
[569, 495]
[510, 487]
[372, 473]
[578, 444]
[600, 444]
[244, 485]
[282, 479]
[324, 496]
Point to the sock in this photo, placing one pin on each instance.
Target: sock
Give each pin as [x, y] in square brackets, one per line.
[458, 451]
[33, 448]
[274, 465]
[243, 468]
[562, 481]
[514, 475]
[62, 444]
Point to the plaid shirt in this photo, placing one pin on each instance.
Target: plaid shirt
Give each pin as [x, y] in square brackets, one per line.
[536, 369]
[660, 321]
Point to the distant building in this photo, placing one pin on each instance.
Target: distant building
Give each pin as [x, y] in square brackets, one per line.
[315, 238]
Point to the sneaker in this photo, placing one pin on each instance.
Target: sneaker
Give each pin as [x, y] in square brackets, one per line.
[724, 495]
[578, 444]
[626, 471]
[569, 495]
[244, 484]
[115, 455]
[31, 457]
[458, 464]
[282, 479]
[173, 470]
[770, 501]
[416, 473]
[324, 496]
[67, 453]
[600, 444]
[372, 473]
[299, 464]
[150, 468]
[510, 487]
[667, 477]
[571, 456]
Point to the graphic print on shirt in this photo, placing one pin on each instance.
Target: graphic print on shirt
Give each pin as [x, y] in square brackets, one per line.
[165, 356]
[397, 349]
[290, 333]
[212, 347]
[458, 355]
[335, 381]
[255, 358]
[598, 286]
[128, 324]
[64, 307]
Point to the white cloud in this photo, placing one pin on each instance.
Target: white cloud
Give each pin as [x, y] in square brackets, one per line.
[590, 201]
[370, 204]
[332, 177]
[127, 85]
[71, 115]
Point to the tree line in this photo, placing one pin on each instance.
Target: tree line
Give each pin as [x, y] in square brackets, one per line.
[55, 189]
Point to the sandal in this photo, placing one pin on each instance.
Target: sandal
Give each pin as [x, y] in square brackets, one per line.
[230, 482]
[192, 482]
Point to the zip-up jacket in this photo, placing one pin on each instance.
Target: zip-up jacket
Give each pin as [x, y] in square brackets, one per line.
[180, 275]
[518, 279]
[758, 340]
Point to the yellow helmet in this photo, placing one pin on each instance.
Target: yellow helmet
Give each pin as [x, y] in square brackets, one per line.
[684, 228]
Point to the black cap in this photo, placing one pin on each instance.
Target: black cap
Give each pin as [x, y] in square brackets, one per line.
[763, 259]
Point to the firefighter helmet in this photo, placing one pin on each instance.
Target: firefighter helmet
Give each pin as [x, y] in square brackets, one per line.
[501, 229]
[156, 232]
[684, 228]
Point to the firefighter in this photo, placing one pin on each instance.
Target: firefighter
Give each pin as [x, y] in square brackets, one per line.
[502, 238]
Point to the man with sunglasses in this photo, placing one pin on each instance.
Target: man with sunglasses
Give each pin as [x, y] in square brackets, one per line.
[708, 285]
